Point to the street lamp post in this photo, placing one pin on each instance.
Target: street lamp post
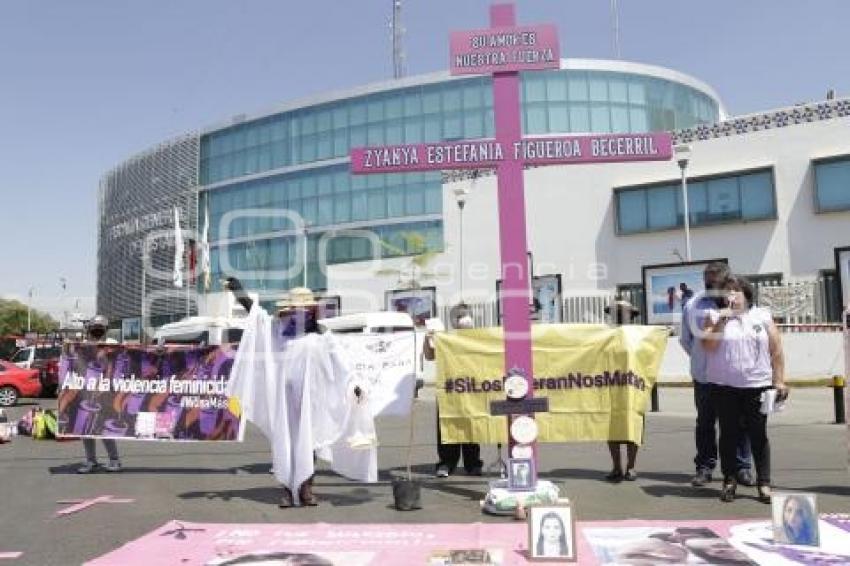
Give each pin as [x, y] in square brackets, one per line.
[683, 156]
[461, 193]
[64, 284]
[29, 309]
[304, 274]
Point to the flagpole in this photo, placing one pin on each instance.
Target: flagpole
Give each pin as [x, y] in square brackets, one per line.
[191, 269]
[143, 333]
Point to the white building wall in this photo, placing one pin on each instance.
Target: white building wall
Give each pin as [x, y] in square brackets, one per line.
[808, 356]
[571, 220]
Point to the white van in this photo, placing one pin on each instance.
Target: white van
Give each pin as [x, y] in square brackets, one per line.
[222, 321]
[201, 330]
[369, 323]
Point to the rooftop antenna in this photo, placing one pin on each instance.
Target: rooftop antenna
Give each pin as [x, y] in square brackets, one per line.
[398, 45]
[615, 25]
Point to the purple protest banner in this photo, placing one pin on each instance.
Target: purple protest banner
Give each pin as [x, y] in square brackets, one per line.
[133, 392]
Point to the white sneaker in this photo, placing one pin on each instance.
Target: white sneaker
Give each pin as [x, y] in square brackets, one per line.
[113, 466]
[442, 472]
[88, 467]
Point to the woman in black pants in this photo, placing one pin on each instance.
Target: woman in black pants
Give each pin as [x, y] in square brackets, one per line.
[744, 360]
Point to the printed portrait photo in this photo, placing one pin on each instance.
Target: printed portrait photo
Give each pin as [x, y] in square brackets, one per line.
[551, 533]
[795, 518]
[420, 304]
[668, 288]
[521, 474]
[662, 545]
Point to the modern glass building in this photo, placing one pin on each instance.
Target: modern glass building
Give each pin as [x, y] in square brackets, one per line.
[295, 158]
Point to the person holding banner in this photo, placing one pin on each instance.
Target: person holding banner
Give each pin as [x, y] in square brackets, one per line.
[96, 333]
[449, 454]
[622, 312]
[296, 385]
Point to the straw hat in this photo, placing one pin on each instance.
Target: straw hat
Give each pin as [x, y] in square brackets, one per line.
[298, 297]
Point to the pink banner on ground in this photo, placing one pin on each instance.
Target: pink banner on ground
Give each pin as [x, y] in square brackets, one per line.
[178, 543]
[504, 49]
[489, 153]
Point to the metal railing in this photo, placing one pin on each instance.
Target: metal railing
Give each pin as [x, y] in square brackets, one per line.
[799, 306]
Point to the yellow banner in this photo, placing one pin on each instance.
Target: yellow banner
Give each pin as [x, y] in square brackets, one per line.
[598, 380]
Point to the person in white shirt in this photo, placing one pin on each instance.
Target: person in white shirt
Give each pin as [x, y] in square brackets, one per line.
[744, 359]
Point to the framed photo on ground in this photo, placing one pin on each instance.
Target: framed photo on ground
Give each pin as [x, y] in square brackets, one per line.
[842, 271]
[795, 518]
[667, 287]
[552, 532]
[547, 303]
[521, 474]
[420, 304]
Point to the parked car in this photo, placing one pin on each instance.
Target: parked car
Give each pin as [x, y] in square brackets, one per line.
[17, 382]
[44, 358]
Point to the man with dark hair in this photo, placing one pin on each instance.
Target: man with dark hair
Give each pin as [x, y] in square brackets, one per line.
[693, 315]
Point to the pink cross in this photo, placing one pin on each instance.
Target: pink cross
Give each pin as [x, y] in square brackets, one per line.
[503, 50]
[80, 504]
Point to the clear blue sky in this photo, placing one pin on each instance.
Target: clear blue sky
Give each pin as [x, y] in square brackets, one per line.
[85, 84]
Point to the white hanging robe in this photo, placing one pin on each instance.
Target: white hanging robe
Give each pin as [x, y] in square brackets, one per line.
[298, 392]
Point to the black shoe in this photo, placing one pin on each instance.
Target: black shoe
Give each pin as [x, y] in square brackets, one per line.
[286, 499]
[614, 476]
[702, 478]
[745, 477]
[727, 494]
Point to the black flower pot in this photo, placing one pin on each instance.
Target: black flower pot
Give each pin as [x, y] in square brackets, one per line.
[407, 494]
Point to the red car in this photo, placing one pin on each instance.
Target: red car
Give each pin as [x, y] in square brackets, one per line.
[16, 382]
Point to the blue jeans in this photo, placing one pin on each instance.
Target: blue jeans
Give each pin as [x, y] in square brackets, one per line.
[706, 434]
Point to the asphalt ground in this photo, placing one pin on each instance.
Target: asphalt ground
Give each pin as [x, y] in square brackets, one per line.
[210, 482]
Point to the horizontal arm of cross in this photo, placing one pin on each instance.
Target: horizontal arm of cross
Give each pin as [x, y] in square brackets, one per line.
[531, 150]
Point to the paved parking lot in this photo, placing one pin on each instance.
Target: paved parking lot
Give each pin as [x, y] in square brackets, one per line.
[217, 483]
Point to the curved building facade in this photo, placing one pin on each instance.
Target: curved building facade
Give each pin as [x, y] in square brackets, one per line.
[295, 158]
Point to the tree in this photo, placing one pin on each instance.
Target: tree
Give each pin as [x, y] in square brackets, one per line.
[13, 319]
[416, 246]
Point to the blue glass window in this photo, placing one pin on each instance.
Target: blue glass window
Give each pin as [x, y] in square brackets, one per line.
[740, 197]
[631, 206]
[662, 205]
[832, 184]
[757, 196]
